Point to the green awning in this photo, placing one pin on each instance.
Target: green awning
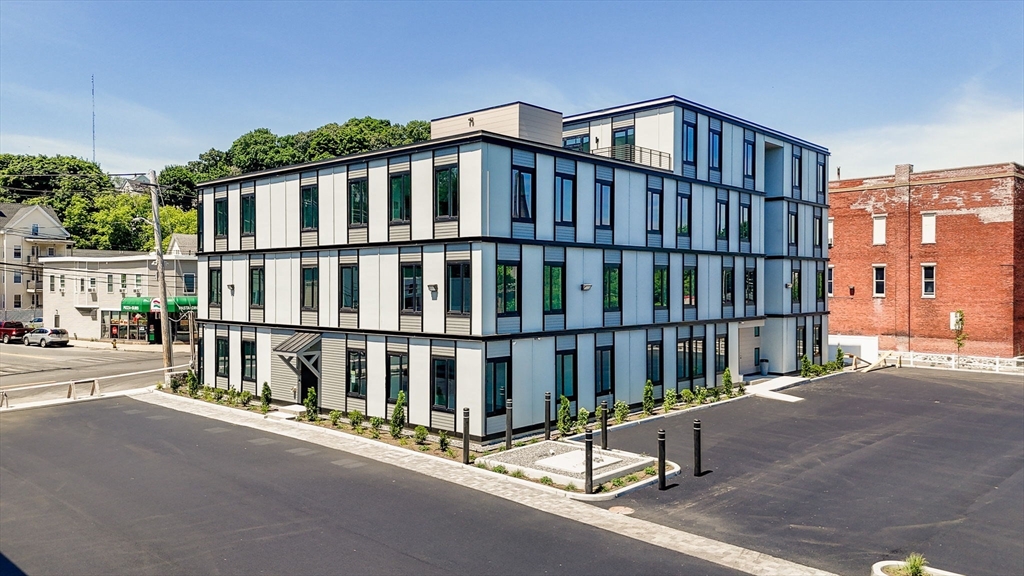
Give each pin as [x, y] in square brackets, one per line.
[151, 304]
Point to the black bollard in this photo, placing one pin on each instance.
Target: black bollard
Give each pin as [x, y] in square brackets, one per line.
[696, 448]
[547, 415]
[508, 424]
[588, 478]
[465, 435]
[661, 459]
[604, 424]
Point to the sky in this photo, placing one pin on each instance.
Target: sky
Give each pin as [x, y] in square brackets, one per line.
[936, 85]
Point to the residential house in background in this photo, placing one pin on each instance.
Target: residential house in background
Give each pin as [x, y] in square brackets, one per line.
[27, 233]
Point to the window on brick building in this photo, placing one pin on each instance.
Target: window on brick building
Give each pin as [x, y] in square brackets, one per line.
[829, 281]
[831, 237]
[878, 230]
[928, 228]
[879, 282]
[927, 280]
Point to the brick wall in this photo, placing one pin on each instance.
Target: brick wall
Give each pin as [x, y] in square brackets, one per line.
[978, 251]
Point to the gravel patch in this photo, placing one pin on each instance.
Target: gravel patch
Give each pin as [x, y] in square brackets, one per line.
[527, 457]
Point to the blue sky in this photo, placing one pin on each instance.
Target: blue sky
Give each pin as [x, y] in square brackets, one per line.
[932, 84]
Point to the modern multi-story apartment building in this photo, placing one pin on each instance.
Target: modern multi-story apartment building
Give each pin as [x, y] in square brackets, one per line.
[27, 233]
[517, 253]
[911, 248]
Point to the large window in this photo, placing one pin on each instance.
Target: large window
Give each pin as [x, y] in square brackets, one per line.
[249, 360]
[310, 208]
[879, 275]
[748, 159]
[358, 203]
[690, 286]
[624, 137]
[603, 372]
[257, 286]
[750, 286]
[460, 293]
[565, 375]
[689, 143]
[660, 287]
[446, 193]
[356, 373]
[310, 287]
[401, 198]
[612, 287]
[721, 353]
[496, 386]
[794, 228]
[794, 281]
[412, 288]
[579, 143]
[110, 283]
[682, 215]
[603, 204]
[819, 285]
[927, 280]
[220, 217]
[522, 194]
[798, 171]
[728, 286]
[653, 210]
[822, 177]
[684, 363]
[349, 291]
[714, 149]
[878, 230]
[223, 357]
[508, 289]
[565, 199]
[698, 356]
[443, 371]
[722, 219]
[817, 231]
[816, 342]
[188, 278]
[801, 344]
[744, 223]
[248, 214]
[554, 288]
[398, 376]
[215, 286]
[830, 281]
[654, 363]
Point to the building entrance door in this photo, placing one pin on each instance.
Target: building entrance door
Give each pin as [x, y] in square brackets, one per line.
[309, 378]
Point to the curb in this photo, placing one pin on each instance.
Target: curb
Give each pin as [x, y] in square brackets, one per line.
[876, 569]
[63, 401]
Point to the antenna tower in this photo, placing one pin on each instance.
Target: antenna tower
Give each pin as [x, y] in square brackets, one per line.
[93, 80]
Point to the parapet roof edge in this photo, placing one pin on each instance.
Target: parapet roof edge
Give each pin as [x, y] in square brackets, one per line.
[673, 99]
[495, 107]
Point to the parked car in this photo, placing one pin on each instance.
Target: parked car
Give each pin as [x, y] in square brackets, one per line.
[10, 330]
[36, 322]
[47, 337]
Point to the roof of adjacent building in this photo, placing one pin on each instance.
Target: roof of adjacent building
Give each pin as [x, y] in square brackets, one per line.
[942, 175]
[87, 253]
[187, 243]
[9, 211]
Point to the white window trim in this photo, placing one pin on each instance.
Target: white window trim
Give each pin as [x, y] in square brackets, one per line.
[831, 232]
[830, 278]
[885, 281]
[934, 279]
[874, 225]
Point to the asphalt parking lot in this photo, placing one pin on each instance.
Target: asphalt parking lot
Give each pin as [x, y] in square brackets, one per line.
[867, 467]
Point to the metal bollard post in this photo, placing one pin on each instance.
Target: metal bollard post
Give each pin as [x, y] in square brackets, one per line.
[604, 424]
[588, 479]
[508, 424]
[696, 448]
[661, 459]
[547, 415]
[465, 435]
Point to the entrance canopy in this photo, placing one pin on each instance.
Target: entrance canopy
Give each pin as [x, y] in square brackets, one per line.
[151, 304]
[297, 343]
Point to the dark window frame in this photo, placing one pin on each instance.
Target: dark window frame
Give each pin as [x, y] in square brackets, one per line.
[607, 301]
[403, 376]
[560, 200]
[248, 360]
[449, 172]
[495, 395]
[257, 279]
[795, 288]
[746, 225]
[501, 289]
[313, 285]
[628, 135]
[354, 288]
[690, 294]
[797, 171]
[247, 214]
[721, 353]
[728, 286]
[358, 209]
[721, 219]
[215, 289]
[604, 188]
[563, 359]
[714, 149]
[417, 283]
[548, 293]
[793, 224]
[582, 146]
[309, 208]
[683, 229]
[655, 363]
[601, 388]
[819, 285]
[220, 218]
[749, 159]
[401, 212]
[355, 373]
[655, 203]
[750, 286]
[689, 143]
[222, 351]
[801, 343]
[517, 206]
[466, 284]
[662, 299]
[451, 383]
[817, 231]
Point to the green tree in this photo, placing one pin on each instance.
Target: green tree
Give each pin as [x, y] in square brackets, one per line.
[398, 416]
[177, 186]
[564, 421]
[256, 150]
[648, 400]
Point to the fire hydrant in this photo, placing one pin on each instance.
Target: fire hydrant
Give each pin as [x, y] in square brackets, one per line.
[114, 343]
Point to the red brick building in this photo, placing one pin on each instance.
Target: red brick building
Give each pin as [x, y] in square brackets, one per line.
[910, 248]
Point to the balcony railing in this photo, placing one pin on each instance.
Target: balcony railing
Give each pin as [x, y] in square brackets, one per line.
[33, 285]
[636, 155]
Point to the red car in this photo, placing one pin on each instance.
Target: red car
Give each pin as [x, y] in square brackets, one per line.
[12, 331]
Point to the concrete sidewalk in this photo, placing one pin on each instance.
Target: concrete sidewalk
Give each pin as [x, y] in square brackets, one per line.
[125, 345]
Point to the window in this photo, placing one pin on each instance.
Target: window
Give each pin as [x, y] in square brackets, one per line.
[816, 342]
[358, 203]
[310, 210]
[801, 344]
[138, 282]
[496, 386]
[349, 287]
[522, 194]
[698, 356]
[603, 204]
[682, 215]
[744, 223]
[35, 229]
[714, 149]
[401, 198]
[110, 283]
[412, 288]
[689, 143]
[794, 280]
[624, 137]
[829, 281]
[215, 288]
[831, 230]
[460, 291]
[817, 231]
[508, 289]
[199, 223]
[928, 280]
[92, 283]
[878, 230]
[603, 372]
[398, 377]
[660, 287]
[728, 286]
[446, 193]
[654, 363]
[17, 252]
[249, 360]
[579, 143]
[223, 357]
[653, 210]
[690, 286]
[51, 251]
[684, 362]
[554, 288]
[565, 199]
[819, 285]
[928, 228]
[794, 228]
[565, 375]
[722, 220]
[750, 286]
[821, 176]
[248, 214]
[257, 286]
[53, 283]
[748, 159]
[444, 383]
[798, 170]
[220, 217]
[721, 353]
[879, 286]
[124, 282]
[62, 282]
[356, 373]
[17, 300]
[310, 287]
[612, 288]
[81, 281]
[188, 278]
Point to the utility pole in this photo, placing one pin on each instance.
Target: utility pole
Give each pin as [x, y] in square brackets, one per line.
[161, 277]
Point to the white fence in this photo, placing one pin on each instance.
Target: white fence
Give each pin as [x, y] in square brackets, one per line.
[957, 362]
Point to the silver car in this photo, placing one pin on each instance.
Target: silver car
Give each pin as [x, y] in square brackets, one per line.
[47, 337]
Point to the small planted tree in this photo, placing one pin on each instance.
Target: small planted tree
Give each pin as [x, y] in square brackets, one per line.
[648, 402]
[727, 382]
[265, 398]
[959, 336]
[192, 382]
[398, 416]
[420, 434]
[688, 396]
[582, 419]
[355, 418]
[805, 367]
[564, 420]
[621, 411]
[376, 422]
[312, 410]
[598, 413]
[671, 397]
[335, 417]
[840, 358]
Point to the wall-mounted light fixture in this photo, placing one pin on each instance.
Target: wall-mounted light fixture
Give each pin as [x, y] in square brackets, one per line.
[432, 287]
[231, 287]
[789, 285]
[585, 287]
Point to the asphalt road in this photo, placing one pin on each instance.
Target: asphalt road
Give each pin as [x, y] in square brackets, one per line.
[120, 486]
[867, 467]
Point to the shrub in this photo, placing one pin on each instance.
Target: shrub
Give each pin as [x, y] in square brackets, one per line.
[582, 419]
[312, 409]
[671, 397]
[177, 381]
[648, 402]
[598, 413]
[218, 394]
[651, 471]
[805, 367]
[621, 411]
[245, 398]
[688, 396]
[702, 395]
[727, 382]
[355, 418]
[715, 392]
[915, 565]
[546, 480]
[564, 420]
[741, 388]
[375, 425]
[631, 478]
[398, 416]
[618, 482]
[265, 397]
[335, 417]
[500, 469]
[192, 382]
[517, 473]
[232, 395]
[570, 487]
[420, 434]
[443, 441]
